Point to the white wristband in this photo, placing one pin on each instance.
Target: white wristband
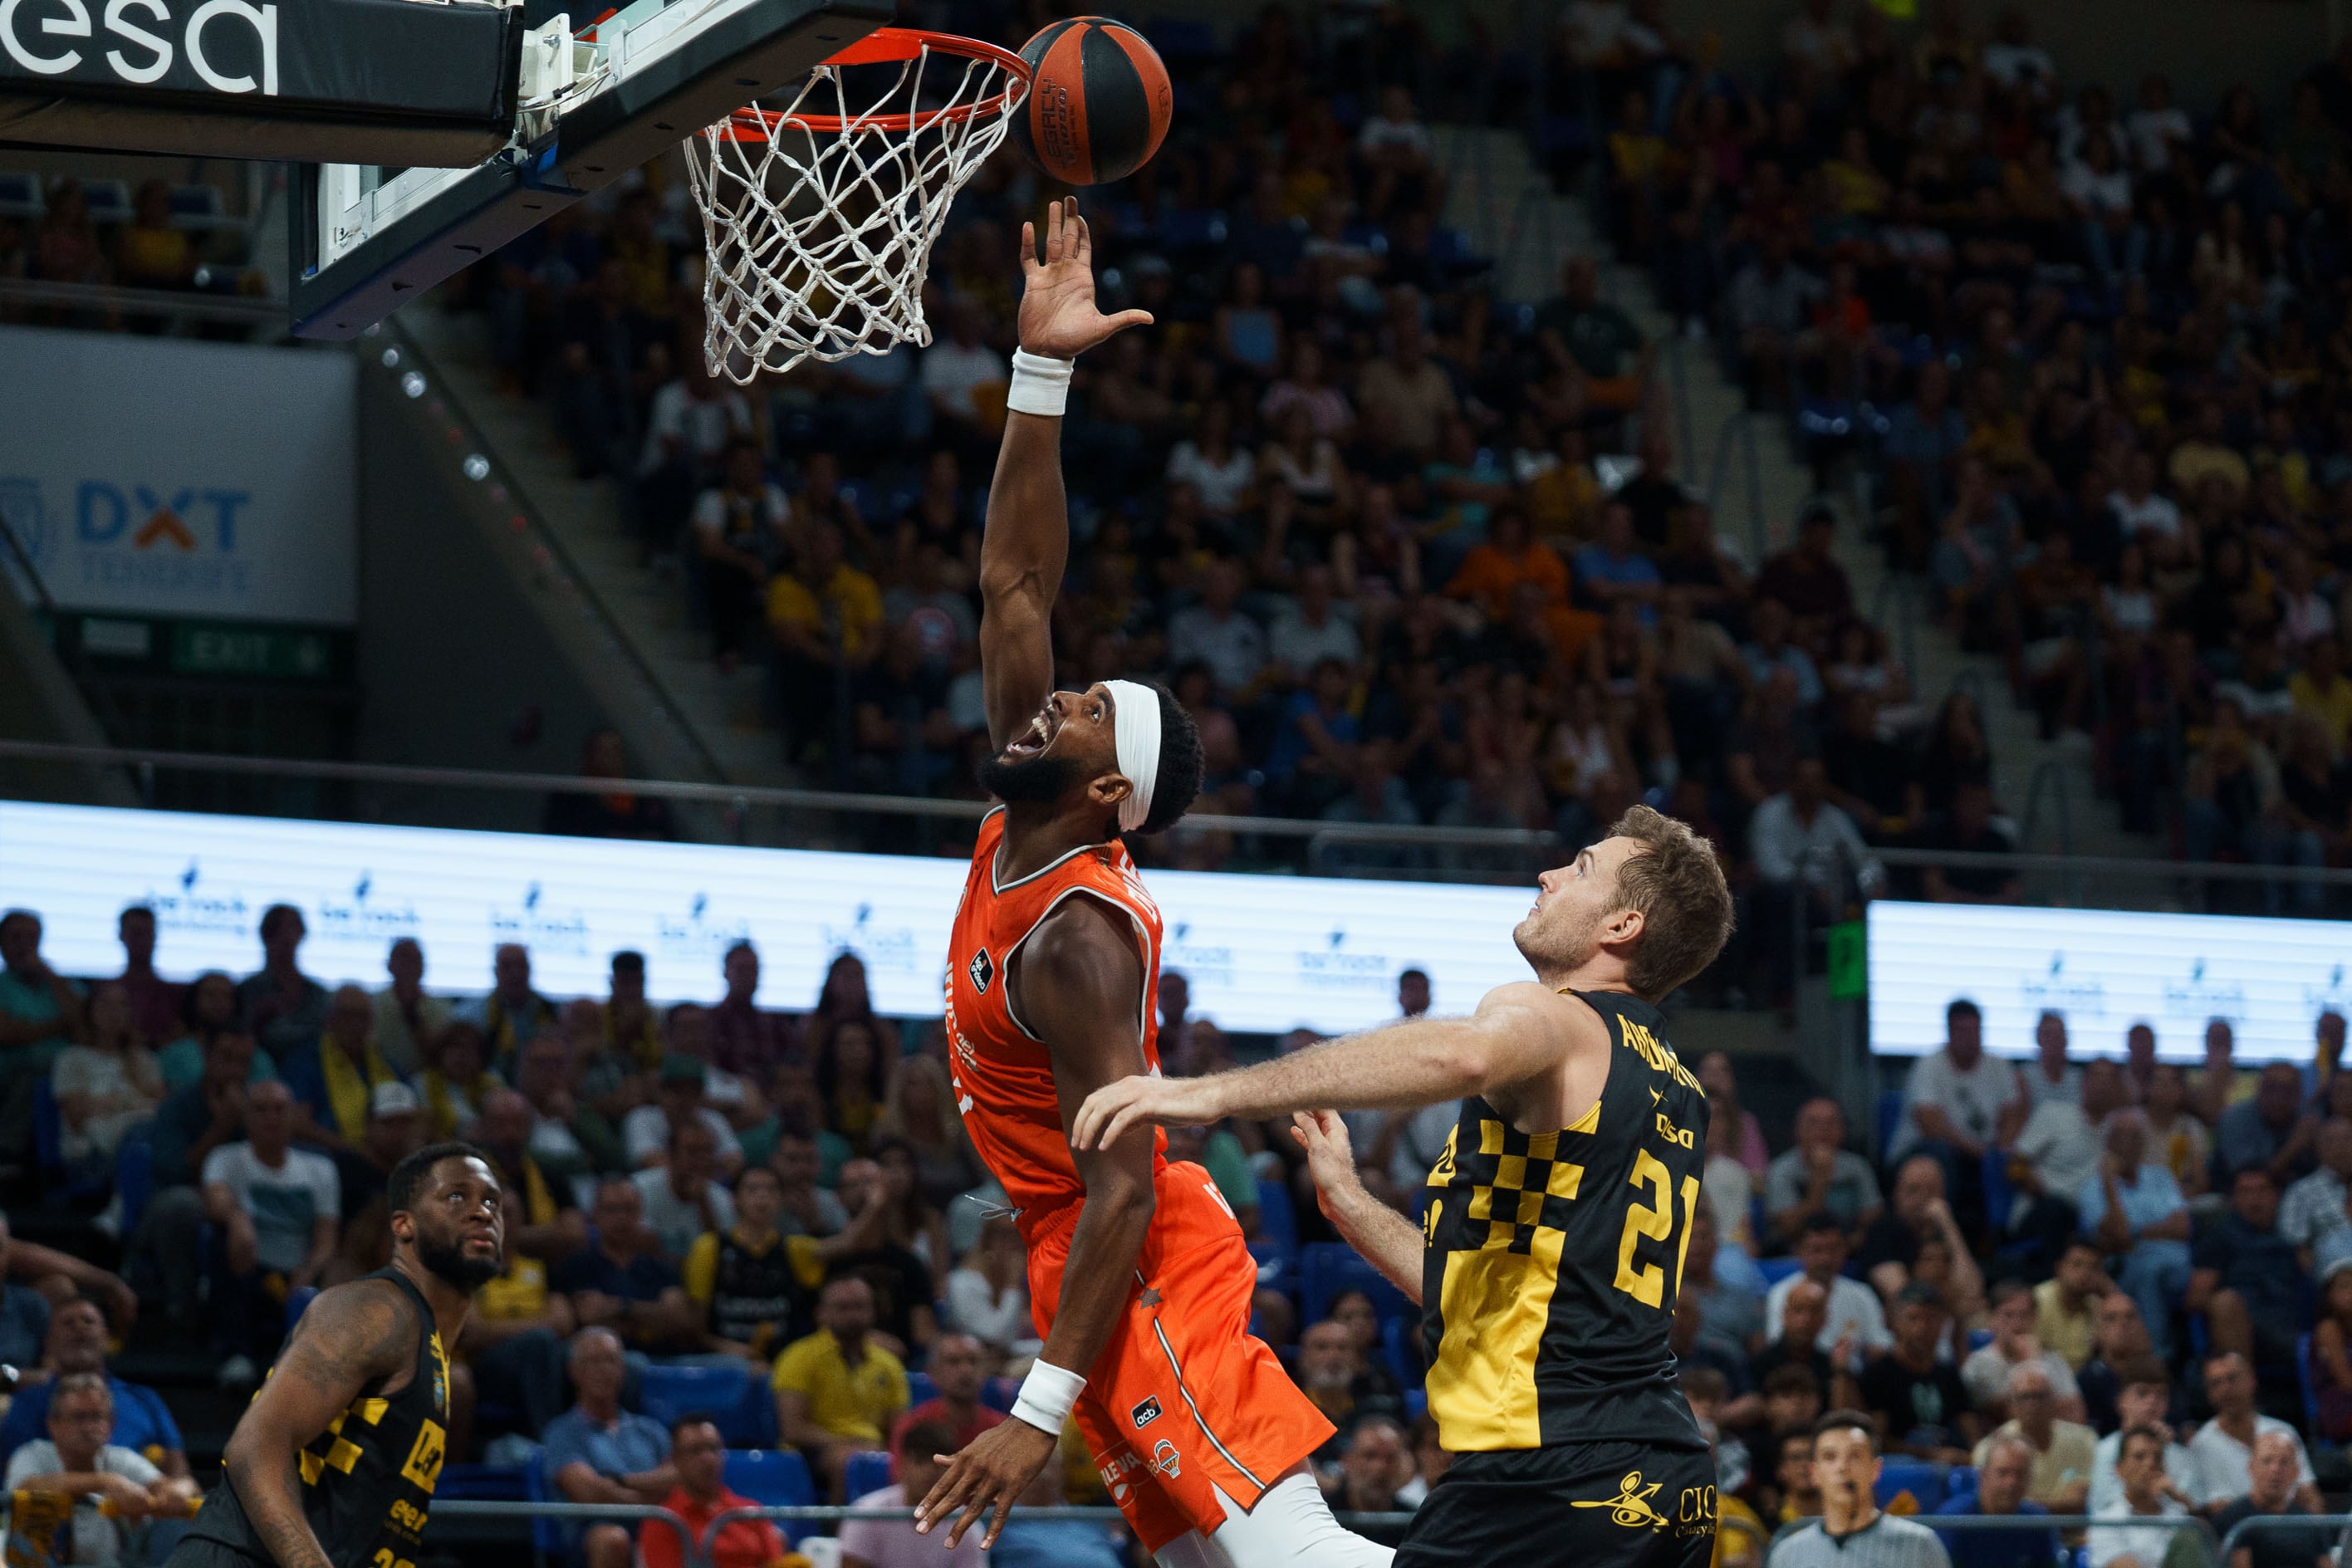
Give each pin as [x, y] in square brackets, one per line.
[1040, 386]
[1049, 1391]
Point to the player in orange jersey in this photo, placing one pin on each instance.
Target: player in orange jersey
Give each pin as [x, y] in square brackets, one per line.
[1140, 1279]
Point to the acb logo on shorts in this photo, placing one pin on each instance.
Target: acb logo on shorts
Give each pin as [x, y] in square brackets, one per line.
[983, 969]
[1146, 1413]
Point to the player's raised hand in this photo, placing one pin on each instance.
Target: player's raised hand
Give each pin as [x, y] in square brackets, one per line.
[989, 1472]
[1330, 1157]
[1058, 319]
[1114, 1107]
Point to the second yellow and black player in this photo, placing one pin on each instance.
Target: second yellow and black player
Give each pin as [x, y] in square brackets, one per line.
[1551, 1266]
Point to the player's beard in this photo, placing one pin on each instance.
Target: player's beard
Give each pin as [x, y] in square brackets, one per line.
[446, 1259]
[1040, 778]
[1552, 946]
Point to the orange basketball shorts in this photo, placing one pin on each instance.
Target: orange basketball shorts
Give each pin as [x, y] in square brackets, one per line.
[1184, 1401]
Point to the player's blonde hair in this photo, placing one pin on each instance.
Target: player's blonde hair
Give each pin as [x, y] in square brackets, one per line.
[1676, 882]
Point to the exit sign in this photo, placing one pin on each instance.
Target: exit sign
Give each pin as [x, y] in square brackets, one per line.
[285, 652]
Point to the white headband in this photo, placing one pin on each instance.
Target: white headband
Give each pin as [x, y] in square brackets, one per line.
[1135, 730]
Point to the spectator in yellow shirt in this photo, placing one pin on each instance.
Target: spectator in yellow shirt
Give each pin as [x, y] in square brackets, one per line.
[2321, 689]
[826, 617]
[838, 1390]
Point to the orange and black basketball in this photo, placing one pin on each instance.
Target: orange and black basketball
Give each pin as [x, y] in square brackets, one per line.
[1098, 102]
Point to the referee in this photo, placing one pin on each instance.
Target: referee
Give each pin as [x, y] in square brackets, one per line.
[1852, 1532]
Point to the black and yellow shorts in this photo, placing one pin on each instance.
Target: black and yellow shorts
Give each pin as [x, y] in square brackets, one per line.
[1579, 1505]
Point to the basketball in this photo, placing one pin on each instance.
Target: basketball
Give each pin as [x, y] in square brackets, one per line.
[1098, 102]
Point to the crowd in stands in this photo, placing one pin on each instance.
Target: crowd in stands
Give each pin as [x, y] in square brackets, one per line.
[2090, 344]
[1339, 496]
[695, 1186]
[2056, 1252]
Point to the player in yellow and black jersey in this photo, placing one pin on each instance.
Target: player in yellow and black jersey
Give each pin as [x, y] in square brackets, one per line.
[1552, 1229]
[335, 1463]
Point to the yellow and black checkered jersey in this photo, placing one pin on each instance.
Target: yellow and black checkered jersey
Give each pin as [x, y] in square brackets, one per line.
[368, 1479]
[1551, 1260]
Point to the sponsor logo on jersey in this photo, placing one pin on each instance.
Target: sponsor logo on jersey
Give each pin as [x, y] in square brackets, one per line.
[1630, 1506]
[1146, 1413]
[1165, 1459]
[983, 968]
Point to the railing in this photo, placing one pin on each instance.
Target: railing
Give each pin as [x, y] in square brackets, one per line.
[1738, 432]
[267, 315]
[1968, 1523]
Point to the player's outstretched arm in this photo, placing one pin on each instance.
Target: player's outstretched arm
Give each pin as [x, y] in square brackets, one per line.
[352, 1336]
[1388, 1241]
[1026, 544]
[1518, 1032]
[1081, 988]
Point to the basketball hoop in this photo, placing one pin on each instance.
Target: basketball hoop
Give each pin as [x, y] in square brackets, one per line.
[818, 219]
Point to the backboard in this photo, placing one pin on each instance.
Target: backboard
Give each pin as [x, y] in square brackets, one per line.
[596, 101]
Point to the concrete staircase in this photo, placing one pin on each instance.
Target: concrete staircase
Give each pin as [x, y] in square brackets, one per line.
[1510, 211]
[648, 607]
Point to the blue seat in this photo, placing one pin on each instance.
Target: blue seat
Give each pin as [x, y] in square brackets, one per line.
[1327, 1267]
[298, 1301]
[773, 1478]
[867, 1472]
[2304, 1381]
[1890, 1119]
[1397, 1348]
[134, 1176]
[1924, 1482]
[999, 1393]
[546, 1534]
[1776, 1270]
[731, 1395]
[1999, 1194]
[921, 1389]
[1416, 1405]
[1277, 1220]
[1959, 1481]
[1979, 1339]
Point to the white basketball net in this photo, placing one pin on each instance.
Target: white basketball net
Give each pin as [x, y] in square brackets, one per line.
[818, 239]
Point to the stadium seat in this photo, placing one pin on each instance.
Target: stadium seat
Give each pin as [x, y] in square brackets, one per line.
[1979, 1339]
[1398, 1347]
[1776, 1270]
[1890, 1119]
[298, 1301]
[1959, 1481]
[1924, 1482]
[867, 1472]
[48, 1131]
[999, 1393]
[134, 1176]
[1277, 1220]
[1327, 1267]
[921, 1389]
[773, 1478]
[731, 1395]
[1416, 1405]
[2303, 1379]
[109, 200]
[546, 1534]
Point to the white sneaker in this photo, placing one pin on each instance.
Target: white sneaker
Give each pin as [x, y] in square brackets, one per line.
[238, 1372]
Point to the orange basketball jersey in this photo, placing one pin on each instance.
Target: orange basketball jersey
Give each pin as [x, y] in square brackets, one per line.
[1004, 1076]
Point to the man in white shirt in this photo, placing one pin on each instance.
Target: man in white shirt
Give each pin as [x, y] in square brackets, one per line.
[1953, 1100]
[2141, 1470]
[955, 368]
[77, 1459]
[2224, 1446]
[1855, 1326]
[2144, 515]
[1317, 628]
[2145, 1395]
[2315, 1206]
[1797, 836]
[277, 1209]
[1986, 1372]
[2050, 1076]
[2056, 1152]
[682, 1196]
